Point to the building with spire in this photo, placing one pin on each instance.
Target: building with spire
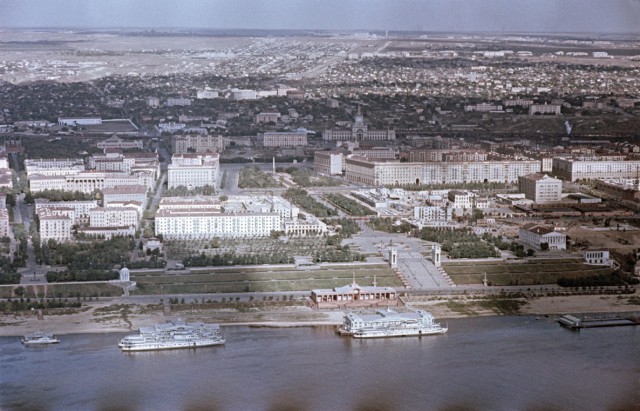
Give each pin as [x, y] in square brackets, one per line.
[359, 131]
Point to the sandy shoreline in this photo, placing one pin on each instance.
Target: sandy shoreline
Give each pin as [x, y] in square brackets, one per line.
[117, 316]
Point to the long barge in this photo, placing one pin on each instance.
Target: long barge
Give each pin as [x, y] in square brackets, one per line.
[576, 323]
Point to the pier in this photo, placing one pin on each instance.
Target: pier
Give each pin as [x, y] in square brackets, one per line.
[575, 323]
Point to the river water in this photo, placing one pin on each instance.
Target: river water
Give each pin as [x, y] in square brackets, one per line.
[491, 363]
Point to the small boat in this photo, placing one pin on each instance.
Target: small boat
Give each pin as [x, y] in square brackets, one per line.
[39, 338]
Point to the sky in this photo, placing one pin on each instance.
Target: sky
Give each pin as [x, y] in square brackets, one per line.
[552, 16]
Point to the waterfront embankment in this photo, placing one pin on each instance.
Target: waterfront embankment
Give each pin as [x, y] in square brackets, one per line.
[119, 315]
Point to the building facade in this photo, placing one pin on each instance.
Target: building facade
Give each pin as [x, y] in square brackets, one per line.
[606, 169]
[540, 188]
[193, 170]
[535, 235]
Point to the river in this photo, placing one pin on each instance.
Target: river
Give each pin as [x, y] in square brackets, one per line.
[490, 363]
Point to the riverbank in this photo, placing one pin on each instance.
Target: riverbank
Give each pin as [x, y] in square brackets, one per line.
[118, 316]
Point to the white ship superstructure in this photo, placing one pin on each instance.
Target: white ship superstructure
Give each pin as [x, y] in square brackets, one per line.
[39, 338]
[172, 335]
[388, 323]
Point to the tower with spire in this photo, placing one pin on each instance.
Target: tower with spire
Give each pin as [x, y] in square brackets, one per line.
[359, 128]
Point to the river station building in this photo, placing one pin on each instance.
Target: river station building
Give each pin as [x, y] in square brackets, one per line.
[354, 294]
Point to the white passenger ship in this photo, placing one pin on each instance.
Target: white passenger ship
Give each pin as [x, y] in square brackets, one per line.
[388, 323]
[172, 335]
[39, 338]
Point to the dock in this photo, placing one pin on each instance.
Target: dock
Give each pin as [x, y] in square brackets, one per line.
[576, 323]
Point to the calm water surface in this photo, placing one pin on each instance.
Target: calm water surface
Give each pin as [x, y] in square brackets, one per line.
[495, 363]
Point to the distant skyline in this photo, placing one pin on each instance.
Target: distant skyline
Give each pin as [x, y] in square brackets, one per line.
[551, 16]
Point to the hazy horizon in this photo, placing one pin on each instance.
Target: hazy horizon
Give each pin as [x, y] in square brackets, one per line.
[540, 16]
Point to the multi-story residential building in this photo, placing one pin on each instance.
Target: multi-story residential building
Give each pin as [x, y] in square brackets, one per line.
[88, 182]
[117, 142]
[239, 216]
[243, 94]
[433, 214]
[377, 172]
[208, 224]
[267, 118]
[534, 235]
[115, 160]
[387, 153]
[119, 194]
[53, 167]
[432, 155]
[197, 143]
[114, 217]
[540, 187]
[607, 169]
[517, 102]
[329, 162]
[107, 232]
[80, 208]
[483, 107]
[153, 102]
[461, 199]
[193, 170]
[544, 109]
[5, 227]
[283, 139]
[171, 102]
[207, 93]
[55, 227]
[79, 121]
[359, 131]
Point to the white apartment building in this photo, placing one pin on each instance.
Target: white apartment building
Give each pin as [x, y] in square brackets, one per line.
[114, 217]
[88, 182]
[197, 143]
[55, 227]
[540, 188]
[171, 102]
[80, 208]
[117, 142]
[5, 227]
[118, 194]
[207, 93]
[176, 224]
[483, 107]
[328, 162]
[376, 152]
[53, 167]
[267, 117]
[433, 214]
[193, 170]
[204, 203]
[283, 139]
[534, 235]
[203, 216]
[243, 94]
[107, 232]
[574, 169]
[433, 155]
[372, 172]
[544, 109]
[461, 199]
[153, 102]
